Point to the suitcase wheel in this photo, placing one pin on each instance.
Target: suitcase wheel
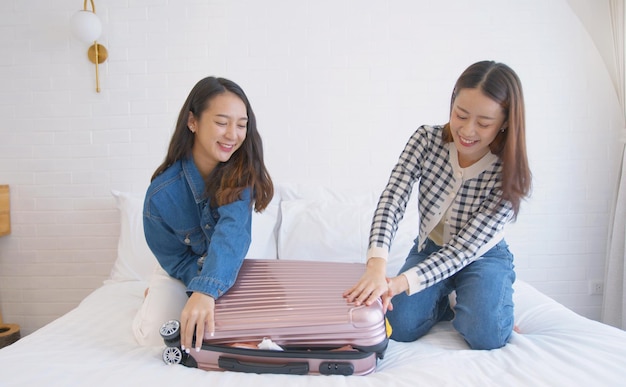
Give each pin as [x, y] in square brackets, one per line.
[172, 355]
[170, 330]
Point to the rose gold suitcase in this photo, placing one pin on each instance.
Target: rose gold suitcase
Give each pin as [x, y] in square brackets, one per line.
[298, 305]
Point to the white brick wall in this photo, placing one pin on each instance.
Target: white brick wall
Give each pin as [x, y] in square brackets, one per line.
[337, 86]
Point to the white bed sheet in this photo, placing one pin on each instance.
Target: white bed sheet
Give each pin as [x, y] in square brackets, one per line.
[93, 345]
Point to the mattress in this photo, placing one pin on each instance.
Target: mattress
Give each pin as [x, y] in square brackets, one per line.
[93, 345]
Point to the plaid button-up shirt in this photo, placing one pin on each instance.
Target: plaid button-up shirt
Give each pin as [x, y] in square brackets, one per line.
[468, 198]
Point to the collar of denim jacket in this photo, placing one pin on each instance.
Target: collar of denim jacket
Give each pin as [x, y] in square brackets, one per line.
[194, 179]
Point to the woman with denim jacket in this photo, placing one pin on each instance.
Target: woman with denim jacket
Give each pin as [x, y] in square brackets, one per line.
[198, 207]
[472, 175]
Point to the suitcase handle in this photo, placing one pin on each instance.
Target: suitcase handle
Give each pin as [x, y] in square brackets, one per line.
[292, 368]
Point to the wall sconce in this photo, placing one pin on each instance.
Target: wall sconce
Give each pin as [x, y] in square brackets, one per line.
[5, 211]
[87, 27]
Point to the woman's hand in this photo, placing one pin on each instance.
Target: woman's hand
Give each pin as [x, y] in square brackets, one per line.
[398, 285]
[395, 285]
[197, 315]
[372, 284]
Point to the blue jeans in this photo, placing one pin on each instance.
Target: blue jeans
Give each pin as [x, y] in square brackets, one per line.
[483, 314]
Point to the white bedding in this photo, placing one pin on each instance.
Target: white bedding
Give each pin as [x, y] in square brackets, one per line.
[97, 344]
[93, 345]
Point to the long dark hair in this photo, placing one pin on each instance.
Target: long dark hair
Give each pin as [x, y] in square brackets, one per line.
[245, 169]
[500, 83]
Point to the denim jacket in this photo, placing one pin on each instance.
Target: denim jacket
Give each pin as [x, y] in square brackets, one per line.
[199, 245]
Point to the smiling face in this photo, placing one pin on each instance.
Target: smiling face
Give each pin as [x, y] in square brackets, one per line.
[219, 131]
[475, 121]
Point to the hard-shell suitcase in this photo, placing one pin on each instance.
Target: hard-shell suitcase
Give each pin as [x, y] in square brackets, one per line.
[298, 305]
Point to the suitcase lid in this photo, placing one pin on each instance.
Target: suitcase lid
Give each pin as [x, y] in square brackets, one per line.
[297, 303]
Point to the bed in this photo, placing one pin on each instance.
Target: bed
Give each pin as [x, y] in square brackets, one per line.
[100, 342]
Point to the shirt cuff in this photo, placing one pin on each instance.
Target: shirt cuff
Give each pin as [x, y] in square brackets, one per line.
[416, 283]
[208, 286]
[378, 252]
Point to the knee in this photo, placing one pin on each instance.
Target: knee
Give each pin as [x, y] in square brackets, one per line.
[487, 342]
[404, 333]
[403, 337]
[485, 335]
[405, 329]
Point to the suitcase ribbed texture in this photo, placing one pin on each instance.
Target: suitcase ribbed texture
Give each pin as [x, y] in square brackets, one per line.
[297, 303]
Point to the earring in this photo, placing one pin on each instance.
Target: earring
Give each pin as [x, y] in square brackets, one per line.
[502, 130]
[192, 129]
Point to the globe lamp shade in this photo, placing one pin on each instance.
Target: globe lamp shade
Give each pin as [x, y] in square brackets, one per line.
[86, 26]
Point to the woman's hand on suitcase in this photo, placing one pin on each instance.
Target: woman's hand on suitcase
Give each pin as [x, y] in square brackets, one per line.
[396, 285]
[372, 284]
[198, 316]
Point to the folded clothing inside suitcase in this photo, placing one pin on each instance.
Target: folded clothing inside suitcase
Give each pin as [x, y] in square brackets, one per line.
[295, 308]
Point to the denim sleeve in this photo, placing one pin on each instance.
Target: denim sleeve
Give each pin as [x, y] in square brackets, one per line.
[227, 248]
[178, 260]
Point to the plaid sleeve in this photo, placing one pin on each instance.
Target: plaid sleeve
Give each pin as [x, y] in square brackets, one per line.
[481, 231]
[394, 198]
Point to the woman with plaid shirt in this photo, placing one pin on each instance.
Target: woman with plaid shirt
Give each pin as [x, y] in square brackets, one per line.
[472, 175]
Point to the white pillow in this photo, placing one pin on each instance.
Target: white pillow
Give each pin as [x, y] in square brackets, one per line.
[264, 229]
[328, 230]
[291, 191]
[324, 230]
[165, 301]
[135, 260]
